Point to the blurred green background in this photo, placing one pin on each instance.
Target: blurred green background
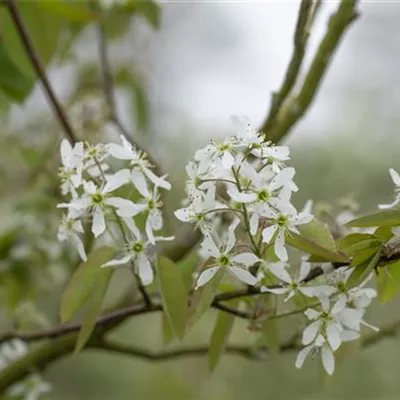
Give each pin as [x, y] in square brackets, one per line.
[206, 62]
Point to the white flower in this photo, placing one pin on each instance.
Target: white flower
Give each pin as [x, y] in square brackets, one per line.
[273, 155]
[70, 229]
[139, 166]
[31, 388]
[198, 211]
[136, 252]
[225, 258]
[71, 170]
[396, 180]
[12, 350]
[98, 200]
[291, 285]
[195, 187]
[246, 134]
[320, 345]
[221, 153]
[280, 223]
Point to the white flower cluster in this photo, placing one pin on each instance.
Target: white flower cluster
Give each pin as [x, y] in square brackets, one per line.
[30, 388]
[337, 315]
[249, 178]
[86, 179]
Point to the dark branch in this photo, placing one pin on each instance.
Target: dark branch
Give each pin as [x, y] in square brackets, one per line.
[39, 69]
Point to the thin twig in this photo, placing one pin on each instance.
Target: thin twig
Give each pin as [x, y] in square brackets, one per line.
[38, 67]
[109, 92]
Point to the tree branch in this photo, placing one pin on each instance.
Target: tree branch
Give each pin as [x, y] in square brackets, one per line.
[297, 106]
[300, 41]
[39, 69]
[109, 92]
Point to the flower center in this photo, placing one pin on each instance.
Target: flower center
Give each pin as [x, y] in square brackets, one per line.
[282, 221]
[224, 260]
[263, 196]
[341, 287]
[137, 247]
[97, 198]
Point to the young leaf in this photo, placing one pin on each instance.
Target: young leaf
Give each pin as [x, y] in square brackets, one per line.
[220, 336]
[319, 234]
[15, 84]
[382, 218]
[93, 309]
[83, 282]
[346, 243]
[72, 11]
[202, 299]
[174, 294]
[313, 248]
[362, 270]
[388, 282]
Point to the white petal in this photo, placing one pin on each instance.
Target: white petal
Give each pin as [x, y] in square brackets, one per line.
[282, 178]
[125, 208]
[159, 182]
[279, 270]
[144, 270]
[116, 262]
[307, 291]
[243, 275]
[80, 247]
[328, 361]
[301, 219]
[99, 224]
[206, 276]
[117, 180]
[66, 152]
[149, 231]
[209, 246]
[156, 219]
[140, 183]
[347, 335]
[333, 335]
[120, 152]
[254, 220]
[279, 247]
[241, 197]
[311, 313]
[311, 332]
[395, 176]
[276, 290]
[302, 356]
[183, 214]
[130, 223]
[247, 259]
[227, 160]
[304, 270]
[268, 233]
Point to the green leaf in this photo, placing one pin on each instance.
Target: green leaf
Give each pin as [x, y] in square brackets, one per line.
[388, 282]
[220, 336]
[353, 238]
[202, 299]
[93, 309]
[365, 255]
[84, 282]
[174, 294]
[362, 271]
[319, 234]
[167, 333]
[270, 332]
[44, 29]
[384, 233]
[382, 218]
[313, 248]
[13, 82]
[72, 11]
